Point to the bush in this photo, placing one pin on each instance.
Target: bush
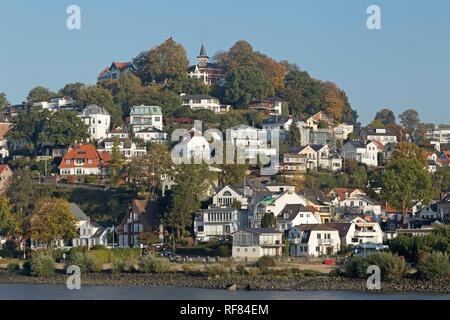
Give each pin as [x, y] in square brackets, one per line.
[103, 256]
[391, 265]
[433, 265]
[90, 179]
[356, 267]
[240, 269]
[118, 264]
[152, 264]
[310, 273]
[95, 264]
[42, 264]
[80, 259]
[98, 247]
[189, 268]
[215, 269]
[265, 262]
[224, 251]
[13, 266]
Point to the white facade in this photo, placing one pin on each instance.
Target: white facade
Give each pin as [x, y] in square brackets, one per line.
[218, 223]
[127, 148]
[293, 215]
[151, 135]
[343, 130]
[313, 240]
[200, 102]
[362, 153]
[252, 244]
[359, 231]
[98, 120]
[54, 104]
[359, 204]
[439, 133]
[142, 117]
[226, 196]
[383, 136]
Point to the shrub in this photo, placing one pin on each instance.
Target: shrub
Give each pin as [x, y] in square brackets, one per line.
[118, 264]
[189, 268]
[94, 264]
[80, 259]
[433, 265]
[215, 269]
[265, 262]
[224, 251]
[98, 247]
[311, 273]
[90, 179]
[356, 267]
[240, 269]
[103, 256]
[42, 264]
[13, 266]
[152, 264]
[338, 272]
[391, 265]
[254, 272]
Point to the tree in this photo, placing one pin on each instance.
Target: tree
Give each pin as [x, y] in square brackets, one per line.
[405, 183]
[410, 120]
[63, 128]
[385, 116]
[148, 239]
[21, 191]
[52, 220]
[268, 220]
[293, 135]
[245, 84]
[163, 63]
[72, 90]
[233, 174]
[3, 101]
[411, 151]
[146, 171]
[10, 224]
[116, 163]
[103, 98]
[38, 94]
[169, 101]
[441, 179]
[129, 88]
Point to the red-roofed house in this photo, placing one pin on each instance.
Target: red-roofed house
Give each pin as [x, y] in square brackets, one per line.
[115, 71]
[84, 160]
[5, 175]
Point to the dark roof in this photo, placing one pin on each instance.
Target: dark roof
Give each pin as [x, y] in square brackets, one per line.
[203, 51]
[196, 96]
[357, 144]
[372, 131]
[126, 141]
[316, 196]
[316, 147]
[292, 210]
[77, 212]
[207, 66]
[261, 230]
[341, 227]
[314, 227]
[150, 129]
[276, 120]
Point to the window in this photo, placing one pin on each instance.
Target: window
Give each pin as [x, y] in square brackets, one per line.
[317, 249]
[67, 161]
[319, 236]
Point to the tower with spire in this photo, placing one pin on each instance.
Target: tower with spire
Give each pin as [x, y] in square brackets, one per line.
[209, 73]
[202, 58]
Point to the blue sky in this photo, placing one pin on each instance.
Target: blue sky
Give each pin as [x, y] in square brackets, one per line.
[404, 65]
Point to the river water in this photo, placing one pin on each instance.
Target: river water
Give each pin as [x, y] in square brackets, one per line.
[51, 292]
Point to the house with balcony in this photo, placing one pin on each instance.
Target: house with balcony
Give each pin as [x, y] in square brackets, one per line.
[313, 240]
[358, 231]
[152, 135]
[249, 143]
[202, 102]
[126, 146]
[142, 117]
[364, 153]
[358, 204]
[118, 133]
[438, 133]
[383, 136]
[271, 106]
[252, 244]
[218, 223]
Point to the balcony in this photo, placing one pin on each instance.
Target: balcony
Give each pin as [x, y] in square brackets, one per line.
[324, 241]
[295, 240]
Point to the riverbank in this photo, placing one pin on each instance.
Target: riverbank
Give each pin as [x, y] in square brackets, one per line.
[241, 282]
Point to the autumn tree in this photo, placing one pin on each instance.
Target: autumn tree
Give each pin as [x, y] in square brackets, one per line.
[72, 90]
[405, 150]
[51, 221]
[10, 223]
[163, 63]
[103, 98]
[441, 179]
[405, 183]
[385, 116]
[21, 191]
[129, 88]
[38, 94]
[3, 101]
[116, 163]
[233, 174]
[157, 96]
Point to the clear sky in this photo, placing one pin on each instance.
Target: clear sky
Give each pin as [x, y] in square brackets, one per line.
[403, 65]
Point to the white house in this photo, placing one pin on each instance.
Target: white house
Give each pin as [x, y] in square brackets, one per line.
[229, 195]
[362, 153]
[429, 212]
[218, 222]
[118, 133]
[252, 244]
[98, 120]
[89, 233]
[343, 130]
[293, 215]
[55, 104]
[142, 117]
[358, 231]
[313, 240]
[381, 135]
[203, 101]
[127, 148]
[249, 142]
[439, 133]
[271, 106]
[116, 71]
[358, 204]
[151, 135]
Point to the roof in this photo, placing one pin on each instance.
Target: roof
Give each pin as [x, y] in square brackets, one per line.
[373, 132]
[197, 96]
[145, 110]
[341, 192]
[150, 129]
[94, 109]
[4, 167]
[4, 128]
[86, 152]
[122, 65]
[260, 230]
[126, 141]
[292, 210]
[314, 227]
[276, 120]
[342, 228]
[77, 212]
[202, 51]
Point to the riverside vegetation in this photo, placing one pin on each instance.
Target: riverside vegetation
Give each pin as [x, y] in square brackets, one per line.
[128, 267]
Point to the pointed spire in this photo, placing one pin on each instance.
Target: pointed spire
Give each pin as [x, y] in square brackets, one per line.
[203, 50]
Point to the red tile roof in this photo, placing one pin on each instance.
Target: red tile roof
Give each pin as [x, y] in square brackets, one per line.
[4, 167]
[342, 191]
[86, 152]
